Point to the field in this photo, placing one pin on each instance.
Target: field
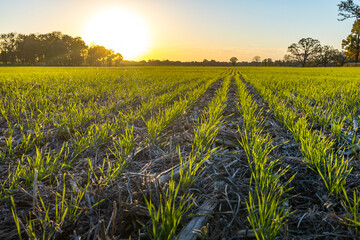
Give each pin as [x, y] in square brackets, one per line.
[179, 152]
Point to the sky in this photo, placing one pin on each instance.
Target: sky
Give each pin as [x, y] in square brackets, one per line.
[187, 30]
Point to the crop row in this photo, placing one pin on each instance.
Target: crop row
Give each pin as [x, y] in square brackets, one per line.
[173, 206]
[317, 148]
[267, 211]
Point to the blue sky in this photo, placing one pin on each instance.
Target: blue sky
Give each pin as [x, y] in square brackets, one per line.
[193, 29]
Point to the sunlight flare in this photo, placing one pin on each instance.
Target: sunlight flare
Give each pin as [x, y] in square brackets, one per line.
[120, 30]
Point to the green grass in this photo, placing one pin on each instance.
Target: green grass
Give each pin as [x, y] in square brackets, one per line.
[74, 132]
[266, 213]
[302, 98]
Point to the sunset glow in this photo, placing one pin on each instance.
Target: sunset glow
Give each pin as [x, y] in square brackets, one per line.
[120, 30]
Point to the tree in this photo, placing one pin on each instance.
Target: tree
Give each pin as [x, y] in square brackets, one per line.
[267, 62]
[55, 48]
[77, 51]
[352, 43]
[212, 62]
[8, 48]
[257, 59]
[279, 63]
[28, 49]
[117, 58]
[340, 58]
[109, 57]
[289, 60]
[233, 60]
[348, 9]
[97, 55]
[206, 62]
[305, 50]
[326, 55]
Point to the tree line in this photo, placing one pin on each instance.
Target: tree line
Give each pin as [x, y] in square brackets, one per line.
[53, 49]
[205, 62]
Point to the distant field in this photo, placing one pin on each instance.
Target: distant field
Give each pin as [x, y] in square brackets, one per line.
[109, 153]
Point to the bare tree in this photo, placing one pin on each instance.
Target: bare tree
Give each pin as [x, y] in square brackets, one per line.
[305, 49]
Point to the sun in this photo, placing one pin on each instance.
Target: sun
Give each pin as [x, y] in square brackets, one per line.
[120, 30]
